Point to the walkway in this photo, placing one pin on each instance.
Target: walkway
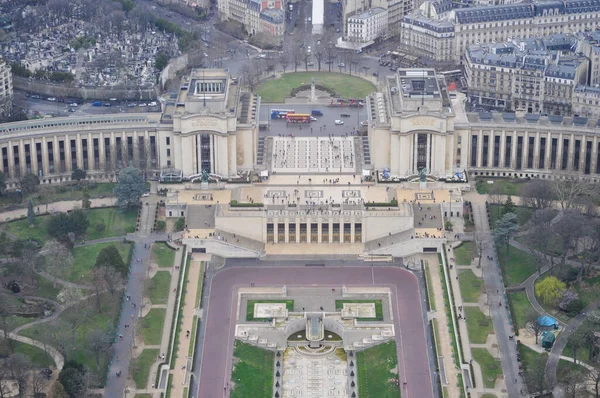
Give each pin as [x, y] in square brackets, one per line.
[63, 206]
[493, 283]
[57, 357]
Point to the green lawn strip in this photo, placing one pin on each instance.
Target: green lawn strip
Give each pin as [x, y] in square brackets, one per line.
[84, 260]
[488, 395]
[519, 308]
[46, 288]
[15, 321]
[460, 385]
[163, 255]
[185, 261]
[345, 86]
[117, 222]
[516, 265]
[470, 286]
[21, 228]
[180, 312]
[159, 286]
[289, 304]
[37, 356]
[193, 337]
[429, 286]
[507, 187]
[252, 374]
[464, 253]
[374, 369]
[151, 326]
[200, 287]
[143, 396]
[491, 368]
[339, 304]
[140, 367]
[449, 314]
[110, 306]
[478, 325]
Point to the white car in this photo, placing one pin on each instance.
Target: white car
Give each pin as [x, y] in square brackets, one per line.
[145, 194]
[342, 65]
[364, 123]
[313, 119]
[52, 99]
[74, 104]
[143, 104]
[338, 122]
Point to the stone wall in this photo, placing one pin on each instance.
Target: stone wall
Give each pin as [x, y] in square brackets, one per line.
[86, 93]
[175, 65]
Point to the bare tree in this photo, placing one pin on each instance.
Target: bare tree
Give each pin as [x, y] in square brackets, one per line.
[297, 55]
[111, 280]
[5, 381]
[249, 77]
[99, 341]
[75, 317]
[319, 54]
[531, 318]
[536, 377]
[538, 194]
[57, 258]
[39, 382]
[5, 312]
[593, 377]
[568, 228]
[541, 237]
[306, 57]
[495, 193]
[573, 383]
[284, 60]
[569, 192]
[480, 246]
[19, 365]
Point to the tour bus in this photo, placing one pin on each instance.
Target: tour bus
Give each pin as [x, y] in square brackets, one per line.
[280, 113]
[298, 118]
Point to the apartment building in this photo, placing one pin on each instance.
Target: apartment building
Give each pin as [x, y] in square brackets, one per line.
[6, 87]
[589, 45]
[257, 16]
[586, 101]
[367, 26]
[489, 24]
[532, 75]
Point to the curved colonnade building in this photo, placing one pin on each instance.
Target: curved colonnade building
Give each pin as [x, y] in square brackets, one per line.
[211, 125]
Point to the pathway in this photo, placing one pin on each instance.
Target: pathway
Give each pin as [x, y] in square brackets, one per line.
[57, 357]
[560, 344]
[502, 326]
[181, 371]
[63, 206]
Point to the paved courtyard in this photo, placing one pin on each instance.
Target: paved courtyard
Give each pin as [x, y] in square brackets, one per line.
[313, 155]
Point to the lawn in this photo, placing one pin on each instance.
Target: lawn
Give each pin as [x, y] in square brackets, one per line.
[140, 367]
[107, 318]
[38, 357]
[158, 287]
[117, 223]
[374, 367]
[507, 187]
[487, 395]
[289, 304]
[517, 265]
[470, 286]
[478, 325]
[345, 86]
[429, 287]
[15, 321]
[163, 255]
[151, 326]
[252, 372]
[464, 253]
[519, 307]
[339, 304]
[84, 260]
[491, 368]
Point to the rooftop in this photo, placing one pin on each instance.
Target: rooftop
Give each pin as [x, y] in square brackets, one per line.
[368, 14]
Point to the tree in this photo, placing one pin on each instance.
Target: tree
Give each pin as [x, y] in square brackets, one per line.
[99, 341]
[568, 192]
[330, 53]
[5, 382]
[86, 203]
[2, 183]
[111, 258]
[550, 290]
[509, 206]
[573, 383]
[541, 237]
[579, 339]
[532, 319]
[535, 374]
[284, 60]
[60, 225]
[5, 244]
[73, 377]
[161, 61]
[19, 366]
[593, 377]
[505, 229]
[78, 174]
[568, 227]
[495, 194]
[57, 258]
[30, 212]
[249, 77]
[537, 194]
[179, 224]
[480, 246]
[130, 187]
[297, 55]
[58, 391]
[76, 316]
[5, 312]
[108, 279]
[319, 52]
[28, 183]
[39, 382]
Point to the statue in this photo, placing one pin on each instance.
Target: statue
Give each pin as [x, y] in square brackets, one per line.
[204, 177]
[313, 81]
[423, 174]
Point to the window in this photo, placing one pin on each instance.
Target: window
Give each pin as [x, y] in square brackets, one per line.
[168, 140]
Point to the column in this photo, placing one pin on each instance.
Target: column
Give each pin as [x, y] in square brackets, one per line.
[525, 154]
[56, 152]
[559, 150]
[136, 149]
[68, 160]
[491, 144]
[124, 152]
[45, 160]
[33, 157]
[394, 158]
[90, 152]
[341, 221]
[22, 159]
[593, 163]
[275, 230]
[479, 148]
[232, 154]
[428, 151]
[536, 151]
[548, 153]
[287, 231]
[414, 152]
[223, 156]
[352, 230]
[330, 231]
[502, 148]
[101, 152]
[11, 160]
[297, 231]
[583, 139]
[320, 231]
[79, 151]
[513, 150]
[571, 159]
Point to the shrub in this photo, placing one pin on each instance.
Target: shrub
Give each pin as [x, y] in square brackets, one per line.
[100, 227]
[161, 226]
[574, 307]
[179, 224]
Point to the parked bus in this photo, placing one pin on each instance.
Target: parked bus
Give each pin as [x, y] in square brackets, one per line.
[280, 113]
[298, 118]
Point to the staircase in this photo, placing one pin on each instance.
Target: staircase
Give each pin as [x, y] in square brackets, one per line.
[260, 150]
[366, 150]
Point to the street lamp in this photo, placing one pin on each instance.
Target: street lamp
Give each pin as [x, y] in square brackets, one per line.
[451, 191]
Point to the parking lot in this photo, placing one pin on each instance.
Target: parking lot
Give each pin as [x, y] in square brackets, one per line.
[324, 125]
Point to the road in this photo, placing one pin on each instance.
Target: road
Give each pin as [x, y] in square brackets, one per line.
[492, 277]
[413, 355]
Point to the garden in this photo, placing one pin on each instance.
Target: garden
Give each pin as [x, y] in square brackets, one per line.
[375, 367]
[252, 374]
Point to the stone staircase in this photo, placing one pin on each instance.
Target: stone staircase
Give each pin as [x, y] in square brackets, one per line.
[260, 151]
[366, 151]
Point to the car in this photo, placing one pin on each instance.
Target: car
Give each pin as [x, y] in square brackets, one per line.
[51, 99]
[107, 104]
[35, 96]
[342, 65]
[153, 103]
[143, 104]
[112, 99]
[132, 105]
[338, 122]
[74, 104]
[364, 123]
[345, 115]
[313, 119]
[376, 74]
[310, 63]
[337, 30]
[145, 194]
[71, 110]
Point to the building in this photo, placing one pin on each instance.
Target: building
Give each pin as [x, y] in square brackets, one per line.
[257, 16]
[533, 75]
[6, 85]
[586, 101]
[367, 26]
[488, 24]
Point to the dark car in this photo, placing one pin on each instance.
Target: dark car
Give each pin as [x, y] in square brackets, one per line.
[376, 74]
[345, 115]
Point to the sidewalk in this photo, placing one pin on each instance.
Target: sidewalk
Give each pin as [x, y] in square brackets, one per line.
[181, 372]
[55, 207]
